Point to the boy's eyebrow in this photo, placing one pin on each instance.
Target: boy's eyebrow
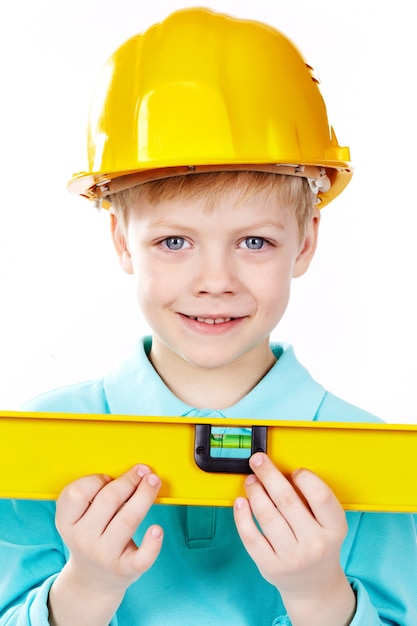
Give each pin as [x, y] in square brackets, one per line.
[185, 226]
[167, 224]
[267, 223]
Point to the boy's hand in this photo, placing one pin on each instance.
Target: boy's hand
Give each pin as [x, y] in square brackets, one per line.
[97, 518]
[303, 527]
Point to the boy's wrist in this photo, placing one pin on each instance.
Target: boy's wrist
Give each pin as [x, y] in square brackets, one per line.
[335, 606]
[79, 600]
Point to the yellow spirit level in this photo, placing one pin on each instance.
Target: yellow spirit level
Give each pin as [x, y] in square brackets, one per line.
[370, 467]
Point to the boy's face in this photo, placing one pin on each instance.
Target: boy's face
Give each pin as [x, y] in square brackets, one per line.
[213, 282]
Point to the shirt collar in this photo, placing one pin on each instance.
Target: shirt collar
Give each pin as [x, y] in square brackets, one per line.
[286, 392]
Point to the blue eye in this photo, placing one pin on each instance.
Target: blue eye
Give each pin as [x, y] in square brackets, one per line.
[174, 243]
[254, 243]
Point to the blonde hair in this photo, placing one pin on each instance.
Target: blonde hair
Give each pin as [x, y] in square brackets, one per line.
[292, 192]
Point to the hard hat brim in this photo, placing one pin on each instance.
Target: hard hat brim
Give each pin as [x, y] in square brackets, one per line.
[99, 185]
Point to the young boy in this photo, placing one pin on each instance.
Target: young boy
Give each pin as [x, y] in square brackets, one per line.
[210, 141]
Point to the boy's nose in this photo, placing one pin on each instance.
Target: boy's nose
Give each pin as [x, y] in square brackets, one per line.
[215, 275]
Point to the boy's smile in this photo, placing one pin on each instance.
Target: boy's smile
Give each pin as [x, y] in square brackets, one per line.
[213, 282]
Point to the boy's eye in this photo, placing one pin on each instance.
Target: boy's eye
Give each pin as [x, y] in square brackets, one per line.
[175, 243]
[253, 243]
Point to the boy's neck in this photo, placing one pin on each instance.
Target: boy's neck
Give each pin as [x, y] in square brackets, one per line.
[210, 388]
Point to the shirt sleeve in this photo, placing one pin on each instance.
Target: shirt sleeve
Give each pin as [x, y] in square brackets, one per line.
[382, 570]
[31, 555]
[365, 614]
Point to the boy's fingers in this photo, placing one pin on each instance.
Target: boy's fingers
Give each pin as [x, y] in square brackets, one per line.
[324, 505]
[77, 497]
[255, 543]
[95, 499]
[113, 496]
[125, 522]
[146, 555]
[281, 495]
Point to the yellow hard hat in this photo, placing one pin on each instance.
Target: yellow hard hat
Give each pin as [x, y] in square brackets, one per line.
[203, 91]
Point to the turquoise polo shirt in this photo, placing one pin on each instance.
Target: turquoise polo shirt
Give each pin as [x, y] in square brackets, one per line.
[203, 574]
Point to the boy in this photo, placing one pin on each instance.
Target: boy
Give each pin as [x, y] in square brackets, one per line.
[212, 146]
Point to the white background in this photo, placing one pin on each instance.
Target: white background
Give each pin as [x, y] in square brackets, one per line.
[68, 312]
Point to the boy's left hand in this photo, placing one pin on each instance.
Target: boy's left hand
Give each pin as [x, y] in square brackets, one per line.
[298, 547]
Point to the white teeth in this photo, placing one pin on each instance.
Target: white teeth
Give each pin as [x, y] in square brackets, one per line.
[206, 320]
[211, 320]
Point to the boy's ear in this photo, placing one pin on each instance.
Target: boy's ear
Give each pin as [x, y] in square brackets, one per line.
[308, 245]
[120, 243]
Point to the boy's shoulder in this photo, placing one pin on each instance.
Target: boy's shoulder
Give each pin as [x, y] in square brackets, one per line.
[334, 409]
[302, 395]
[84, 397]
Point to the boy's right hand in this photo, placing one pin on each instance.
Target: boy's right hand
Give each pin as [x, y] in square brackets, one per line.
[97, 517]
